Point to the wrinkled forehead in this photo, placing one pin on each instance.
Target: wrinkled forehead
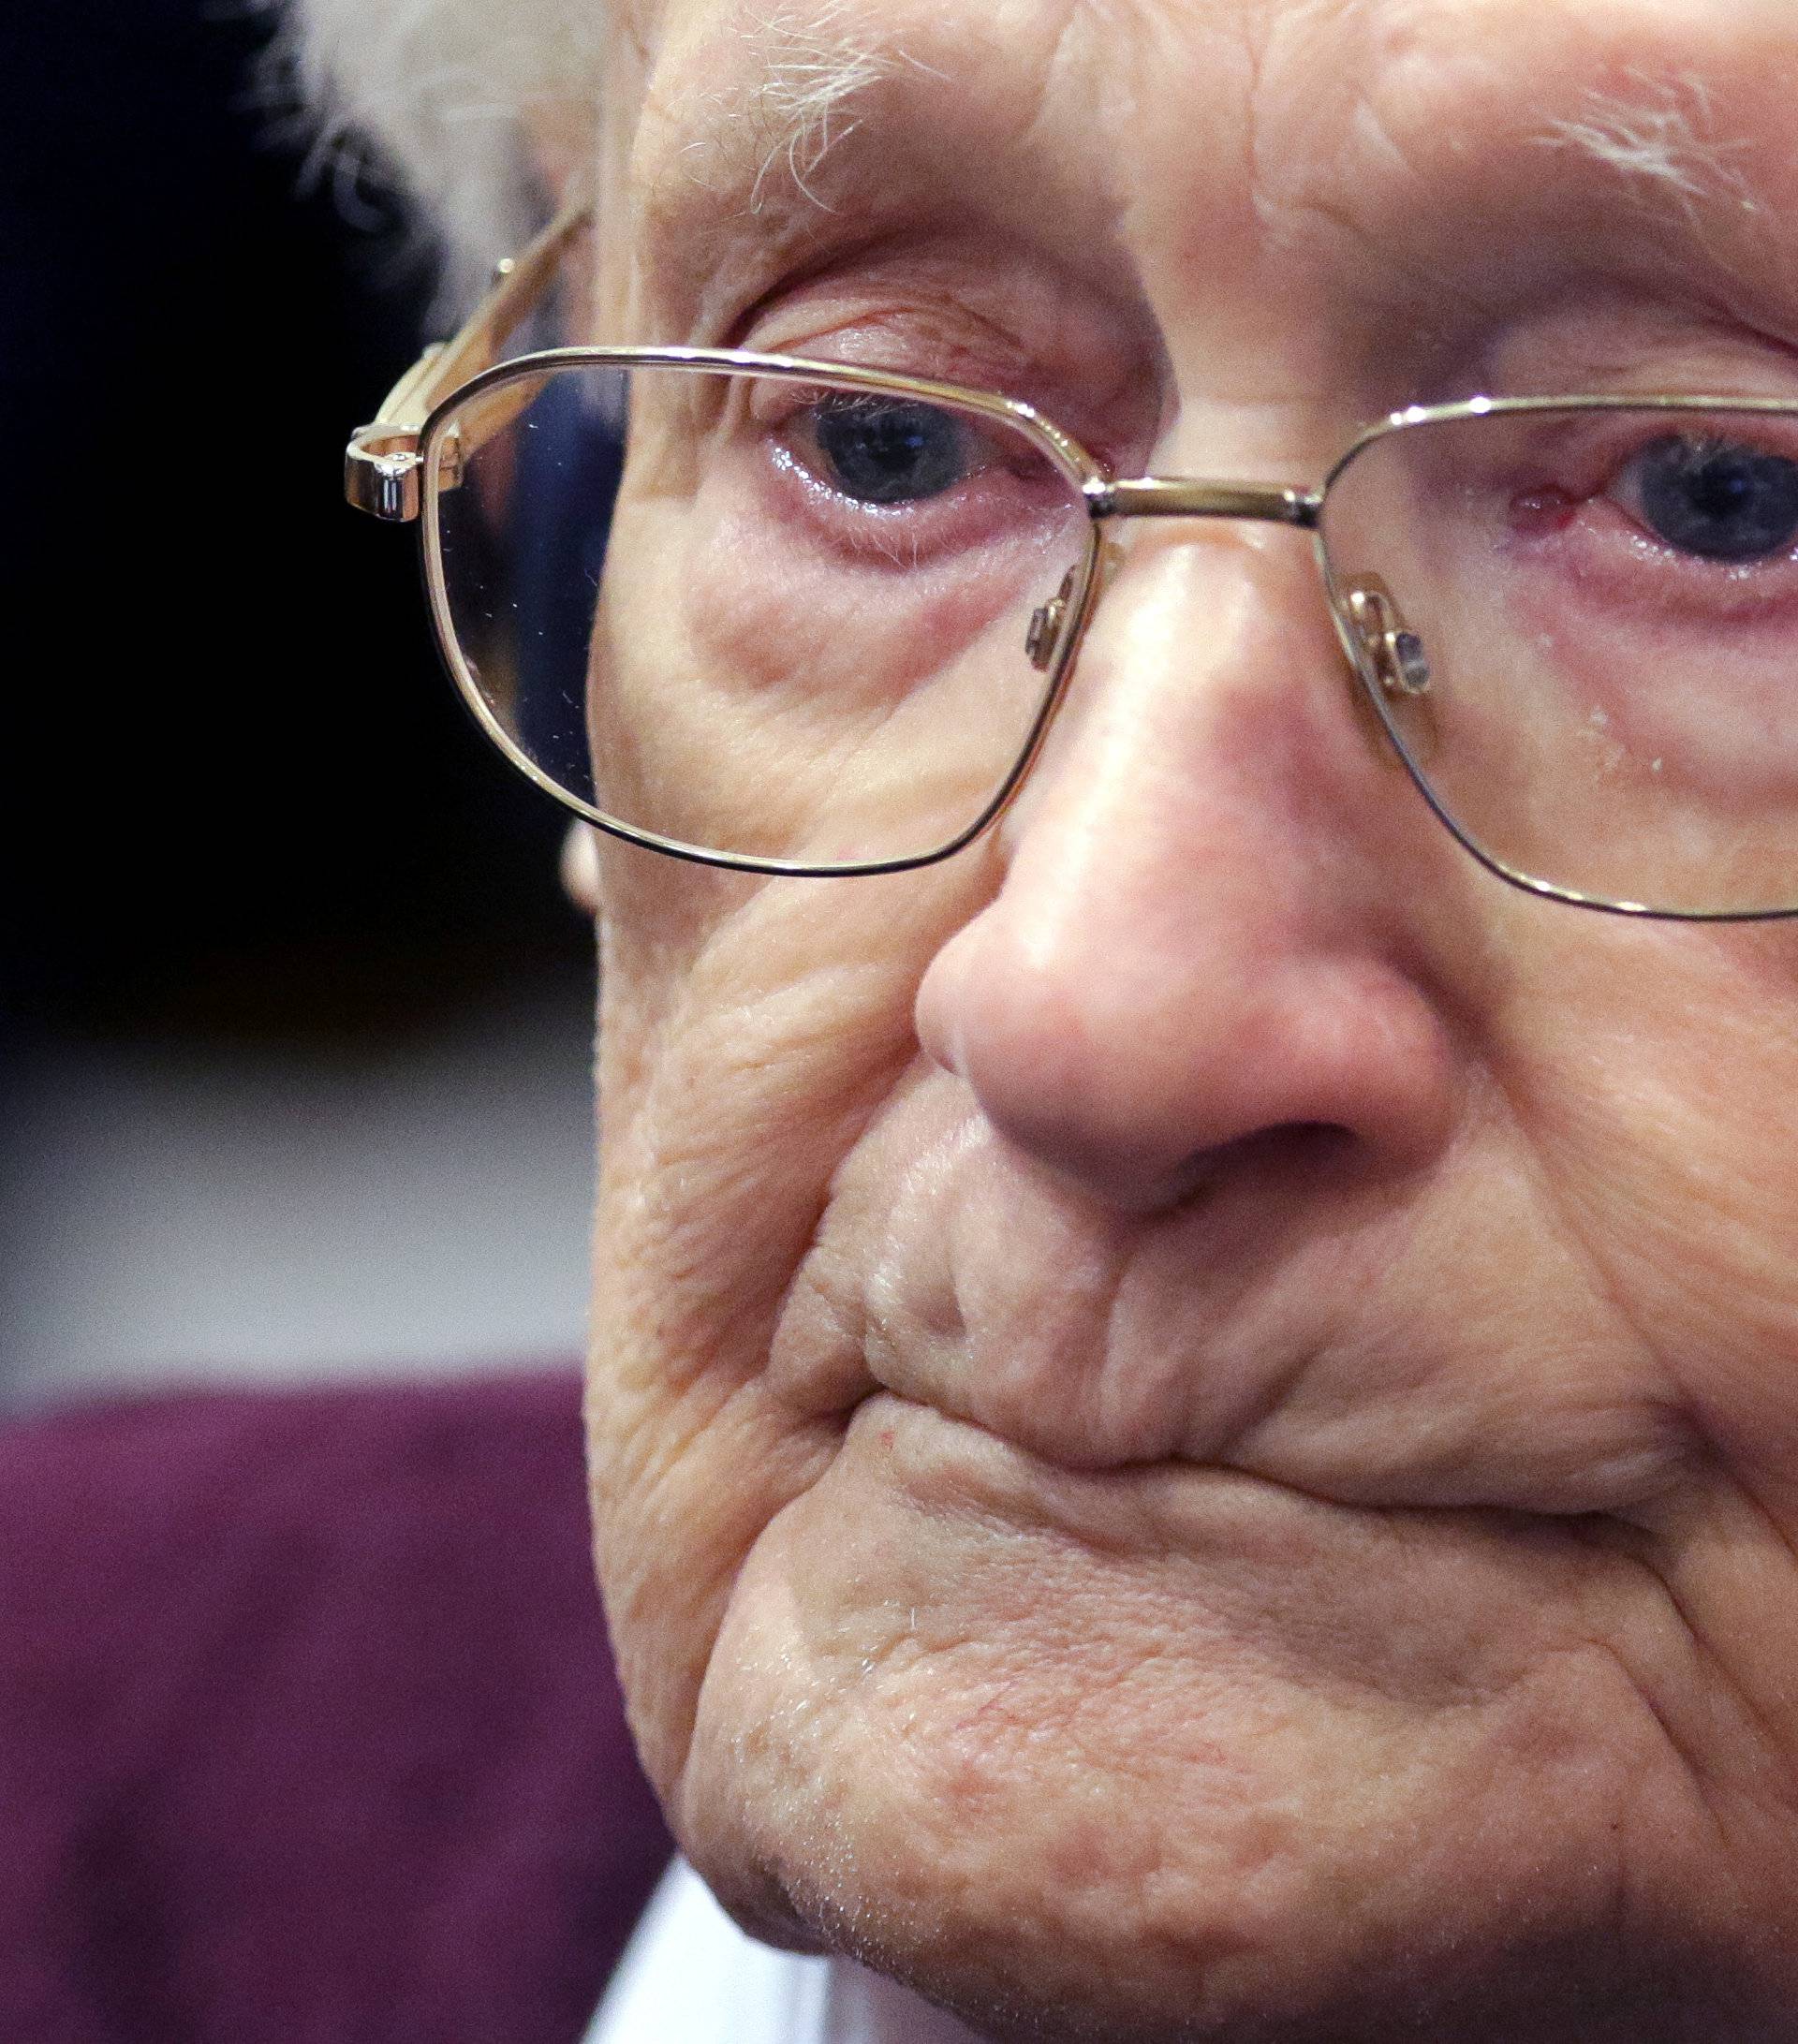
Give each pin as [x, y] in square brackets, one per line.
[1100, 41]
[1205, 124]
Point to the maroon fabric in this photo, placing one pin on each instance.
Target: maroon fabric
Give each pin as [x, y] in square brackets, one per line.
[308, 1732]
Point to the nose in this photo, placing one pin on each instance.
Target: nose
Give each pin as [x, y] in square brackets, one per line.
[1203, 932]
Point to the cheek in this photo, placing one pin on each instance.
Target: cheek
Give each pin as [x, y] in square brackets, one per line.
[768, 678]
[1663, 1108]
[748, 1031]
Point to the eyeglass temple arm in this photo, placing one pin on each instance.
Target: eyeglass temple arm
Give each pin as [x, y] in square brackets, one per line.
[381, 463]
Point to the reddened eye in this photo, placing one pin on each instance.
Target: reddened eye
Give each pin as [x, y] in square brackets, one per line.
[1716, 499]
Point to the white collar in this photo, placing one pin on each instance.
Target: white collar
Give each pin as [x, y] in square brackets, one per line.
[691, 1977]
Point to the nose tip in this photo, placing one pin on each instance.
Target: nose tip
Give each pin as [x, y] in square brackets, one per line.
[1195, 941]
[1138, 1092]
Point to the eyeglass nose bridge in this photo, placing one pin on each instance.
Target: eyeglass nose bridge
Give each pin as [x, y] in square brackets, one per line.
[1376, 632]
[1178, 496]
[1395, 653]
[1163, 496]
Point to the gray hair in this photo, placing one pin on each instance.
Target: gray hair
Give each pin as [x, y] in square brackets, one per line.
[442, 90]
[436, 94]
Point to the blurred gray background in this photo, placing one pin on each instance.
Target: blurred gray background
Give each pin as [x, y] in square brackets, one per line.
[293, 1020]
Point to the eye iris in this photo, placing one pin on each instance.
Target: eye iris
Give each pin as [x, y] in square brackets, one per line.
[889, 452]
[1718, 500]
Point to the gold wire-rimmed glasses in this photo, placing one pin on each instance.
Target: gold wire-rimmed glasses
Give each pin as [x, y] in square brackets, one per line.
[804, 618]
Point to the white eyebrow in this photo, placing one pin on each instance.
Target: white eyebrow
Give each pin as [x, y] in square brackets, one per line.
[812, 66]
[1655, 136]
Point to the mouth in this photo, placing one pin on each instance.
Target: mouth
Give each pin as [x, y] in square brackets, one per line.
[1382, 1362]
[1382, 1600]
[949, 1464]
[1400, 1418]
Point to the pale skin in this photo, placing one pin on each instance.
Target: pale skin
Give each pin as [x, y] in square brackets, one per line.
[1195, 1411]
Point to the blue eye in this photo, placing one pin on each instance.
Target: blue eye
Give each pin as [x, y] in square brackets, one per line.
[890, 450]
[1716, 499]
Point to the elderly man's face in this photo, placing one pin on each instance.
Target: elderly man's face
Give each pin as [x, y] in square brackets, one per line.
[1196, 1411]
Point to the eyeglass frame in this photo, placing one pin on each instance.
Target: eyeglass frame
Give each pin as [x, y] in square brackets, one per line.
[390, 474]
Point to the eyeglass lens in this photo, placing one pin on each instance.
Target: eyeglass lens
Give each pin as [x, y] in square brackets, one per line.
[771, 619]
[1601, 610]
[793, 621]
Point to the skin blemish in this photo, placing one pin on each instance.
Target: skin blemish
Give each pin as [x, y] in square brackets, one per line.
[1534, 512]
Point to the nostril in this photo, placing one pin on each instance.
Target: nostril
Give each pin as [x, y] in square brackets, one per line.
[1312, 1148]
[1266, 1170]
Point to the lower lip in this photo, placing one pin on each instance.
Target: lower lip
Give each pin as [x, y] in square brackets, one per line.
[951, 1468]
[1278, 1543]
[939, 1515]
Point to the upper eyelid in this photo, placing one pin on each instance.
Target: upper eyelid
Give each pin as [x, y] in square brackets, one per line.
[976, 433]
[1026, 341]
[1623, 434]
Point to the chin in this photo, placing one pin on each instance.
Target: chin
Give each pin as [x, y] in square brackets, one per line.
[1220, 1763]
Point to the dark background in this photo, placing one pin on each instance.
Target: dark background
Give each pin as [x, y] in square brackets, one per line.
[239, 793]
[305, 1725]
[249, 836]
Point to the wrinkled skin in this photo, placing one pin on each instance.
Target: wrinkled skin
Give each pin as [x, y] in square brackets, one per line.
[1195, 1412]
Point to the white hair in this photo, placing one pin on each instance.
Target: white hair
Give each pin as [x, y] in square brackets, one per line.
[437, 93]
[815, 67]
[1660, 135]
[440, 92]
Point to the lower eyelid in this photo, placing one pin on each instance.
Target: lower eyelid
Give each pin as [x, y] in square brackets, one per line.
[1602, 556]
[809, 477]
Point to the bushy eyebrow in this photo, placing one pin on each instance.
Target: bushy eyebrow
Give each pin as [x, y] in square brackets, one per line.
[809, 61]
[808, 120]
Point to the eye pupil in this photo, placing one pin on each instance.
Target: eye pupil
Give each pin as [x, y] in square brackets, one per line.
[890, 450]
[1717, 499]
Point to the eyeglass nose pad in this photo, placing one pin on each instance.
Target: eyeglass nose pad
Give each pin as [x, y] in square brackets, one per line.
[1047, 623]
[1397, 656]
[1047, 626]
